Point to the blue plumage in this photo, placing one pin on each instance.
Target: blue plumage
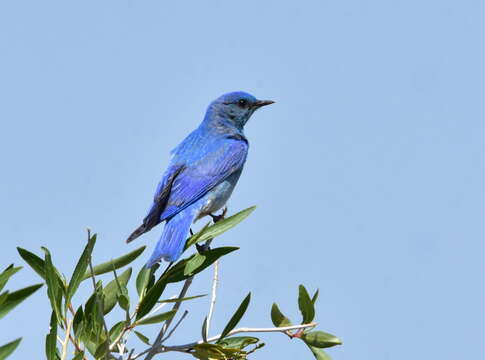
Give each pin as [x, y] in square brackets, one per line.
[202, 174]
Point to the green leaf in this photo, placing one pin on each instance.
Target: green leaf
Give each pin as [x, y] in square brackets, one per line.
[219, 228]
[176, 273]
[82, 265]
[320, 339]
[195, 237]
[112, 290]
[115, 263]
[35, 262]
[79, 356]
[51, 338]
[277, 317]
[211, 351]
[151, 297]
[315, 296]
[77, 321]
[306, 306]
[236, 317]
[142, 337]
[9, 348]
[124, 302]
[102, 350]
[16, 297]
[116, 330]
[239, 342]
[156, 318]
[142, 280]
[6, 274]
[3, 297]
[181, 299]
[319, 353]
[204, 330]
[54, 290]
[191, 265]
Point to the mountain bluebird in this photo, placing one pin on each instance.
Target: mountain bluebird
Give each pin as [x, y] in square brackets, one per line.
[202, 174]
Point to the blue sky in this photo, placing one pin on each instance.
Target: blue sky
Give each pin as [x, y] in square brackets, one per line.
[368, 172]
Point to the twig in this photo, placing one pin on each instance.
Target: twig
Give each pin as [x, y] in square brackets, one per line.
[175, 327]
[187, 347]
[152, 351]
[66, 340]
[213, 297]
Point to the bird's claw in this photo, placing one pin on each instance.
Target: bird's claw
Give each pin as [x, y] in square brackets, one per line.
[216, 218]
[202, 248]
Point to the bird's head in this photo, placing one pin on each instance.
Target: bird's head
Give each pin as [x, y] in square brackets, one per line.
[237, 107]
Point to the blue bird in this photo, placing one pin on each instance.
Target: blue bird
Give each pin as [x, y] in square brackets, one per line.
[202, 174]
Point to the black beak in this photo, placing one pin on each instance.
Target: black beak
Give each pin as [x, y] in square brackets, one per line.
[260, 103]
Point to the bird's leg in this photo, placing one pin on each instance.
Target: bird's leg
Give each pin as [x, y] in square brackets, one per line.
[203, 248]
[216, 218]
[191, 232]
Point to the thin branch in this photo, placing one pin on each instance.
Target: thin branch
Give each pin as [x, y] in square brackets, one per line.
[152, 352]
[213, 297]
[175, 327]
[245, 330]
[186, 347]
[66, 340]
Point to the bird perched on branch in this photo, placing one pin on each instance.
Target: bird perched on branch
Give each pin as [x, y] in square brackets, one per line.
[202, 174]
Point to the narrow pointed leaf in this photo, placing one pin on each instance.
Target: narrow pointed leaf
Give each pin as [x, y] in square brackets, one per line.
[54, 290]
[16, 297]
[116, 330]
[204, 330]
[142, 337]
[319, 354]
[220, 227]
[115, 263]
[102, 350]
[51, 338]
[157, 318]
[195, 238]
[6, 274]
[315, 296]
[82, 265]
[3, 298]
[36, 263]
[142, 280]
[112, 290]
[151, 297]
[239, 342]
[79, 356]
[236, 317]
[306, 306]
[7, 349]
[176, 273]
[320, 339]
[77, 321]
[191, 265]
[181, 299]
[277, 317]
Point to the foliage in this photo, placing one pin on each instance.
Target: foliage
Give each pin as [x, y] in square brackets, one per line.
[10, 300]
[82, 331]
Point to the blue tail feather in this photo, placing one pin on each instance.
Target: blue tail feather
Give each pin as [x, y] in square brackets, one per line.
[171, 243]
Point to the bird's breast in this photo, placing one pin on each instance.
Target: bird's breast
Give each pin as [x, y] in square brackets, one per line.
[218, 196]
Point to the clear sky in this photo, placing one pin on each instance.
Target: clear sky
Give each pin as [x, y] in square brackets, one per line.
[368, 172]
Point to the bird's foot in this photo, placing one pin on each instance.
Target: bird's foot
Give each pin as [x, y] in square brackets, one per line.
[202, 248]
[216, 218]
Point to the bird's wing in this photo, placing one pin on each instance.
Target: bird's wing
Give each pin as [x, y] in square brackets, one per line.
[183, 184]
[196, 179]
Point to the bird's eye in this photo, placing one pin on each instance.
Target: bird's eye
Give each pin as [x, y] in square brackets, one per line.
[242, 103]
